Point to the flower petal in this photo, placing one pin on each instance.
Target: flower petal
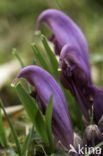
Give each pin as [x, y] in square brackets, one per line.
[64, 30]
[46, 87]
[76, 76]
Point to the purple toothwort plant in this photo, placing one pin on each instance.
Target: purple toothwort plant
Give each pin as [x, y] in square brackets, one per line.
[71, 45]
[45, 86]
[73, 51]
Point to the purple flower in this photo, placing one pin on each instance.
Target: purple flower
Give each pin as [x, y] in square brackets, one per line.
[75, 76]
[71, 45]
[64, 30]
[45, 86]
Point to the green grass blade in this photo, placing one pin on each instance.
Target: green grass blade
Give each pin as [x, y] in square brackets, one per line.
[40, 58]
[41, 126]
[18, 57]
[3, 139]
[33, 111]
[48, 118]
[74, 111]
[28, 140]
[12, 129]
[27, 101]
[51, 55]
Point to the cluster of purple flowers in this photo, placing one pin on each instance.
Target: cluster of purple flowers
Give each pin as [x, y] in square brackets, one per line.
[72, 48]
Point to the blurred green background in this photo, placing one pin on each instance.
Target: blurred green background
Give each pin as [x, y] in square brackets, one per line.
[17, 23]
